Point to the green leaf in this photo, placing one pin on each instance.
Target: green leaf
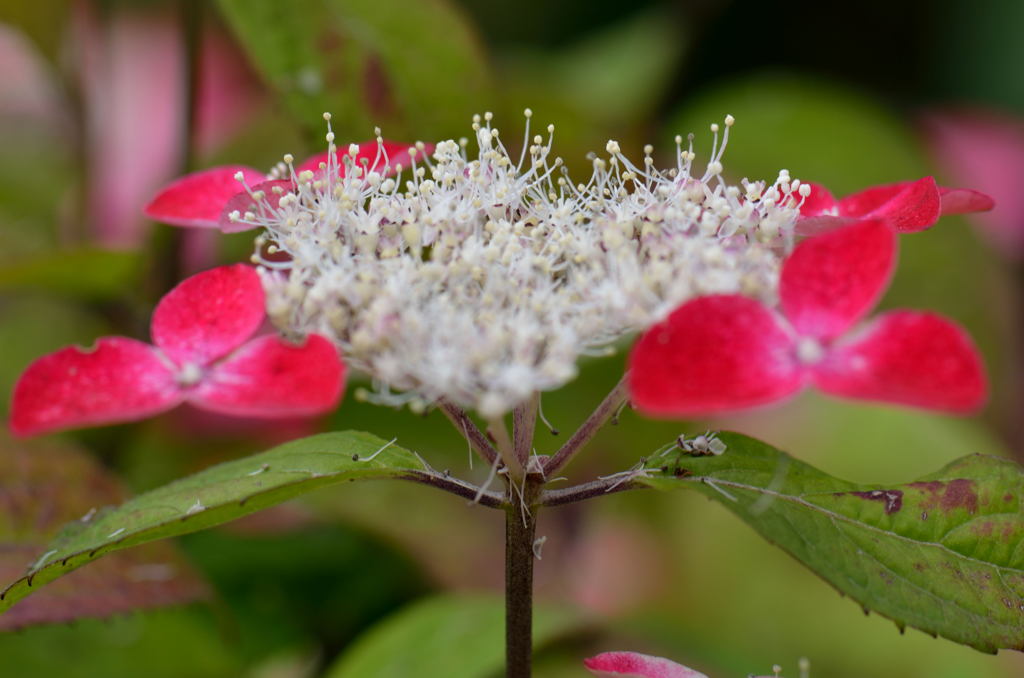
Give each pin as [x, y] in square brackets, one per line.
[42, 486]
[451, 636]
[85, 273]
[167, 643]
[411, 66]
[614, 76]
[944, 554]
[214, 496]
[286, 583]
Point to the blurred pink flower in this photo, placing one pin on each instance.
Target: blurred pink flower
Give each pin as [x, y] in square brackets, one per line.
[131, 65]
[27, 90]
[985, 149]
[131, 71]
[620, 566]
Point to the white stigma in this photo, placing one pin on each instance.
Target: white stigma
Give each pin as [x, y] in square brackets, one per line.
[482, 278]
[190, 374]
[809, 350]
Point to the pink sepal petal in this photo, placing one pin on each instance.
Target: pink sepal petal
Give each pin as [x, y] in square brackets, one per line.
[118, 380]
[910, 358]
[369, 152]
[198, 199]
[832, 280]
[243, 202]
[906, 207]
[269, 377]
[209, 315]
[636, 665]
[807, 227]
[964, 201]
[713, 354]
[865, 202]
[819, 202]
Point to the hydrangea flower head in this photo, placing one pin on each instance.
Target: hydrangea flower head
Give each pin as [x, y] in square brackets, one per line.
[482, 276]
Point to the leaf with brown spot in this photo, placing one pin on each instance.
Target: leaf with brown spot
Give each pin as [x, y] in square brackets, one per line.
[944, 554]
[41, 488]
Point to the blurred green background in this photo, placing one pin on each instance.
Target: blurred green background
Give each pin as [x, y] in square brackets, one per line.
[101, 102]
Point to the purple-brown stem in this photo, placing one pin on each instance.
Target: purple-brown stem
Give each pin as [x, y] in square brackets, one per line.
[459, 488]
[498, 432]
[469, 430]
[524, 421]
[584, 491]
[524, 495]
[608, 407]
[520, 532]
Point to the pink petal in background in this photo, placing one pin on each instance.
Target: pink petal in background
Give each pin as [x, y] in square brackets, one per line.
[27, 90]
[985, 150]
[227, 90]
[131, 66]
[133, 80]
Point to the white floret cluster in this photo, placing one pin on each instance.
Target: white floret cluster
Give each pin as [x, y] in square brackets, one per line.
[482, 277]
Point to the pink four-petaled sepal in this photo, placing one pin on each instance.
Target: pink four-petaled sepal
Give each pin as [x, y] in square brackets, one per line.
[636, 665]
[727, 352]
[906, 206]
[204, 354]
[201, 199]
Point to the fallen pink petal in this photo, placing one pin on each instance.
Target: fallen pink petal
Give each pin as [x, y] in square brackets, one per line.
[636, 665]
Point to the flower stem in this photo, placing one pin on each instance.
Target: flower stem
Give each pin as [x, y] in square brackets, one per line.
[608, 407]
[524, 421]
[464, 425]
[520, 528]
[499, 432]
[584, 491]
